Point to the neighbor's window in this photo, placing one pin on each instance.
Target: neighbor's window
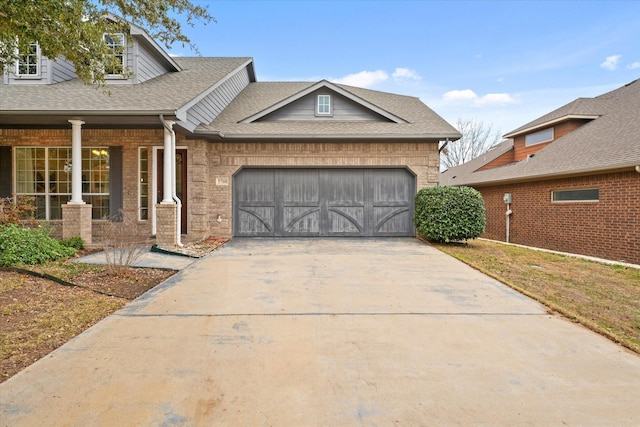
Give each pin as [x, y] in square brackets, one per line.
[45, 173]
[115, 63]
[582, 195]
[324, 105]
[28, 63]
[143, 182]
[539, 137]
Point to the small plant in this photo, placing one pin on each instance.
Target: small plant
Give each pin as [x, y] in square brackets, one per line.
[30, 246]
[74, 242]
[122, 246]
[18, 210]
[449, 214]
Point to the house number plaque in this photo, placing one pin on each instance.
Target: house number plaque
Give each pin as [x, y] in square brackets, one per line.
[222, 181]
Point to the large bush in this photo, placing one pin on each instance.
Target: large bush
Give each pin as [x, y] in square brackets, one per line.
[449, 214]
[20, 245]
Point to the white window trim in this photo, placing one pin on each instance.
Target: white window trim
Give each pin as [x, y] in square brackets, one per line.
[149, 161]
[528, 144]
[38, 74]
[318, 112]
[575, 201]
[124, 56]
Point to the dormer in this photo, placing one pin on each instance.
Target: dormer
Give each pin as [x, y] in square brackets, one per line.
[137, 58]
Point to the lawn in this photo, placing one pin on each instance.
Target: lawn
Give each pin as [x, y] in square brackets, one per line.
[604, 298]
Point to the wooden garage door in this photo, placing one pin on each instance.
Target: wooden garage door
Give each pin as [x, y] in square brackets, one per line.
[323, 202]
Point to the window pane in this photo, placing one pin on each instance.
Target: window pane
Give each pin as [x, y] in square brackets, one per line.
[545, 135]
[591, 194]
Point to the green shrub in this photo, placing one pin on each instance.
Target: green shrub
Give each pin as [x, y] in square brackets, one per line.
[74, 242]
[449, 214]
[29, 246]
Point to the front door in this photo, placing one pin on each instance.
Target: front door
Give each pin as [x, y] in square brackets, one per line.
[181, 183]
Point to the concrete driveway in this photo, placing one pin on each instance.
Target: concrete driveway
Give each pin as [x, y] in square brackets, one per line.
[329, 332]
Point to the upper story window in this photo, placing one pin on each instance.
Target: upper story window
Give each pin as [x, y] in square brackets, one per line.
[539, 137]
[115, 64]
[28, 63]
[324, 105]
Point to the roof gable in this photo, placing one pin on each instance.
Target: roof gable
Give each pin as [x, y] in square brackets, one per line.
[323, 84]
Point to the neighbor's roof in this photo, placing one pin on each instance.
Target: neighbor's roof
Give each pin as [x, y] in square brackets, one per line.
[419, 120]
[611, 141]
[166, 93]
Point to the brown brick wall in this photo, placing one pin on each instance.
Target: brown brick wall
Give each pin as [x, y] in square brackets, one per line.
[211, 166]
[609, 228]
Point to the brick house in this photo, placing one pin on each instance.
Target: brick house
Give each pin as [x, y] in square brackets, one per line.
[195, 147]
[573, 177]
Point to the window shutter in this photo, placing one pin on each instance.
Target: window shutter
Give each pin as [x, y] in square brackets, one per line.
[5, 172]
[116, 182]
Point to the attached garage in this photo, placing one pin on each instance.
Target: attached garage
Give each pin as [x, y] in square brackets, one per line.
[299, 202]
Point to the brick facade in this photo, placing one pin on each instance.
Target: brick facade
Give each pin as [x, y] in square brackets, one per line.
[212, 165]
[608, 228]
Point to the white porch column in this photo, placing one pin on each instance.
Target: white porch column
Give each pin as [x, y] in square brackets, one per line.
[76, 162]
[167, 178]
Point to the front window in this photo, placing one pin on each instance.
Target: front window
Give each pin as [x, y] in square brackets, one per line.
[45, 174]
[324, 105]
[143, 179]
[115, 62]
[28, 63]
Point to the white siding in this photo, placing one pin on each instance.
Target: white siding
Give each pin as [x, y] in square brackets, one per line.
[211, 105]
[342, 109]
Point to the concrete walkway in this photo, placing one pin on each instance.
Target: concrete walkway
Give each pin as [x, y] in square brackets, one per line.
[329, 332]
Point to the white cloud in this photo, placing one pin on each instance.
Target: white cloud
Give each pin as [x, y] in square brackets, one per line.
[405, 74]
[611, 63]
[634, 66]
[463, 96]
[459, 95]
[495, 99]
[363, 78]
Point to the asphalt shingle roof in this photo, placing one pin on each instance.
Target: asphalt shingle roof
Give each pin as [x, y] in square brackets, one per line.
[422, 122]
[609, 142]
[168, 92]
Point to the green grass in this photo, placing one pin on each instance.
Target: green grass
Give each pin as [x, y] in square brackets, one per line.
[605, 298]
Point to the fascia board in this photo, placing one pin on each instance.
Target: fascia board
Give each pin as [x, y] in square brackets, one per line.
[431, 137]
[314, 87]
[552, 122]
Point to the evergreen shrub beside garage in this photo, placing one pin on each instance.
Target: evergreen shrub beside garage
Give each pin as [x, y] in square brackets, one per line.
[449, 214]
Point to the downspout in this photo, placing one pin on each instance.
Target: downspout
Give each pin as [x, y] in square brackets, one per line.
[174, 196]
[443, 145]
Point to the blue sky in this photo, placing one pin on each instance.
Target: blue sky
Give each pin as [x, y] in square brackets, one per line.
[504, 63]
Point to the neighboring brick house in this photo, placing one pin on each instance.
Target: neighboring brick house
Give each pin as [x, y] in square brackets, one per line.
[245, 158]
[573, 176]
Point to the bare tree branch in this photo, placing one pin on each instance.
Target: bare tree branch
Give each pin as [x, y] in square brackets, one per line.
[477, 138]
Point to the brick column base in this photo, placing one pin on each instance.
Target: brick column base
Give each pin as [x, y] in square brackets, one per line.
[166, 225]
[76, 222]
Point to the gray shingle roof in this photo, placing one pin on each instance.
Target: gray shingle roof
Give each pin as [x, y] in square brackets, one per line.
[422, 122]
[168, 92]
[609, 142]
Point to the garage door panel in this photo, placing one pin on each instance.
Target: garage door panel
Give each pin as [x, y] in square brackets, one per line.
[346, 220]
[323, 202]
[392, 221]
[301, 220]
[254, 221]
